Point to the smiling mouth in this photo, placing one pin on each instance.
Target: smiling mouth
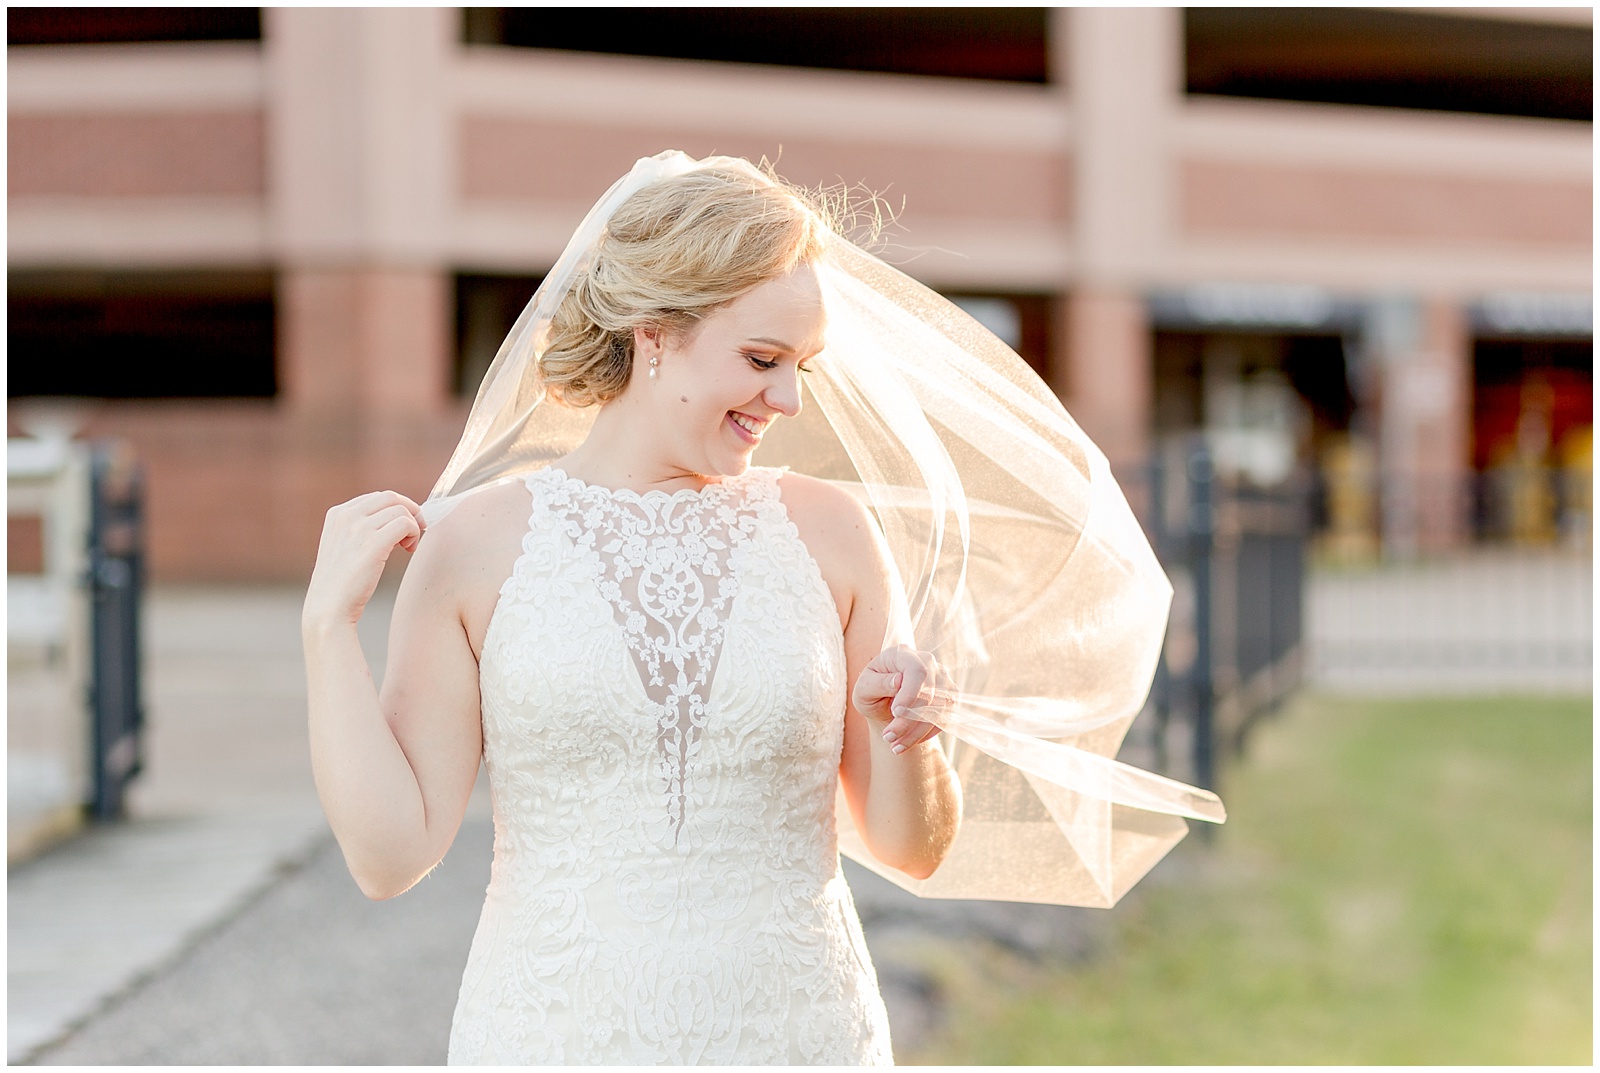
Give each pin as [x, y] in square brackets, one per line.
[748, 427]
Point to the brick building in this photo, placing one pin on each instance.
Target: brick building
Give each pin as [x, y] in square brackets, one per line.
[275, 248]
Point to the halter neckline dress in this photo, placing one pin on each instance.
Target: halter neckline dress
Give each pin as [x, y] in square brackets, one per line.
[663, 688]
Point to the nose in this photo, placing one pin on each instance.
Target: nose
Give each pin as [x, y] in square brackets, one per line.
[783, 395]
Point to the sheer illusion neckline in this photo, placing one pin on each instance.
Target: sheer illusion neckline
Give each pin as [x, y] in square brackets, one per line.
[706, 492]
[667, 563]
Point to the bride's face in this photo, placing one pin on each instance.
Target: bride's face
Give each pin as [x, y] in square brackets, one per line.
[721, 385]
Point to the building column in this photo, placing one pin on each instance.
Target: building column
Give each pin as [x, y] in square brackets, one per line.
[1107, 378]
[1122, 68]
[368, 340]
[360, 188]
[1424, 349]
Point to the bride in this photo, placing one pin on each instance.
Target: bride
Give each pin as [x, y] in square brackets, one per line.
[673, 661]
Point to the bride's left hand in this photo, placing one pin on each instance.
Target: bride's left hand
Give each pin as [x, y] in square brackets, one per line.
[895, 688]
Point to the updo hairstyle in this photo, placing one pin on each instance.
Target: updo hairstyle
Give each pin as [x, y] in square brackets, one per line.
[672, 254]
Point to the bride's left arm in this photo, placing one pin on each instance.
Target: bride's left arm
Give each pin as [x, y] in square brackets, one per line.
[906, 803]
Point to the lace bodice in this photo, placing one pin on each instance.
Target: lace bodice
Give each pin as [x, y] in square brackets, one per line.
[663, 690]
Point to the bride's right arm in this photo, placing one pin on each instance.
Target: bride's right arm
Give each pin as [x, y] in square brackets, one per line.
[393, 773]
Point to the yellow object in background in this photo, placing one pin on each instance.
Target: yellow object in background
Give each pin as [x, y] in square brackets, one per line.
[1576, 455]
[1350, 466]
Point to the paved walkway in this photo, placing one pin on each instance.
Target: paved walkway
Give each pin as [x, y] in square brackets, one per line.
[94, 918]
[226, 803]
[309, 973]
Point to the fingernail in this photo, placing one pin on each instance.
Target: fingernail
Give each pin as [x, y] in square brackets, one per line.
[888, 736]
[899, 749]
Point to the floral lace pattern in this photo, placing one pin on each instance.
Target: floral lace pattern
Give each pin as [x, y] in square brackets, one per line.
[664, 571]
[662, 689]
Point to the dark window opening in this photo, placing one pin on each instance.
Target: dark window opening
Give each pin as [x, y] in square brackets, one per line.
[1004, 44]
[1273, 405]
[1531, 397]
[1533, 438]
[1021, 321]
[1313, 365]
[109, 25]
[1394, 59]
[487, 306]
[141, 335]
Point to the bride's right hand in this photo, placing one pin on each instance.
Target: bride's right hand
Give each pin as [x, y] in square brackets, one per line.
[357, 540]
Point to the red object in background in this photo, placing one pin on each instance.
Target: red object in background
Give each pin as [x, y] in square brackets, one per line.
[1553, 383]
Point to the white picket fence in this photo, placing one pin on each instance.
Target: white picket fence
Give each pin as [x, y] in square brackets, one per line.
[1489, 620]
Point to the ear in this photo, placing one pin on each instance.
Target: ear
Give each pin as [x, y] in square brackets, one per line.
[649, 341]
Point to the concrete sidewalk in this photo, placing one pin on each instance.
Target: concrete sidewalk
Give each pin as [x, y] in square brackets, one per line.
[224, 808]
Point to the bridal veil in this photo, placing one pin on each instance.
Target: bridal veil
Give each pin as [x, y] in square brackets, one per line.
[1023, 569]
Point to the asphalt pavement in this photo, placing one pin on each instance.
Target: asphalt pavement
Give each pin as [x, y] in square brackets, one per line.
[308, 972]
[224, 808]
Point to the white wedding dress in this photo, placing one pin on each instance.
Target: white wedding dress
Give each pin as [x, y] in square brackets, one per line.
[663, 686]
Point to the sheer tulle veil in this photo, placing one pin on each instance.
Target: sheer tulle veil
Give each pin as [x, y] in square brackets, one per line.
[1022, 568]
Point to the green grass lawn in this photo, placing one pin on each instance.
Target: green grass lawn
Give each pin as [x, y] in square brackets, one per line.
[1403, 882]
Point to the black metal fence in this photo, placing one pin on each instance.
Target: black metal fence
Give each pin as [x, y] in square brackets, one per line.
[116, 585]
[1236, 554]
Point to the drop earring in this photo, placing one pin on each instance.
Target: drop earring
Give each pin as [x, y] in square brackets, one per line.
[654, 361]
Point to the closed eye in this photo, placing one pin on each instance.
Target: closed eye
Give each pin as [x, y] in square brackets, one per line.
[759, 363]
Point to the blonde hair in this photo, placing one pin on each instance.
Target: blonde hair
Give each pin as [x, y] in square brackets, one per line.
[673, 253]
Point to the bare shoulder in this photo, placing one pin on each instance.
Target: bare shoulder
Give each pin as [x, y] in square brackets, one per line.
[827, 514]
[465, 556]
[839, 531]
[479, 525]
